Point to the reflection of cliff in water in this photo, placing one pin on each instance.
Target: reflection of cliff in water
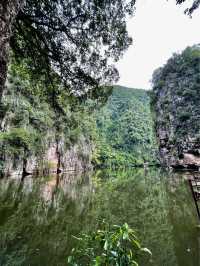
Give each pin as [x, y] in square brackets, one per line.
[50, 190]
[184, 220]
[38, 216]
[74, 186]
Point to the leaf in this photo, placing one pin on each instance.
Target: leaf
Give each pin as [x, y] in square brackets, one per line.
[69, 260]
[115, 225]
[126, 226]
[131, 253]
[77, 238]
[106, 245]
[135, 263]
[97, 261]
[125, 235]
[146, 250]
[114, 253]
[136, 243]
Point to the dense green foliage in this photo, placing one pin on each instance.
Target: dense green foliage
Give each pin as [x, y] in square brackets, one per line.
[126, 129]
[74, 38]
[176, 99]
[59, 48]
[34, 116]
[117, 122]
[108, 246]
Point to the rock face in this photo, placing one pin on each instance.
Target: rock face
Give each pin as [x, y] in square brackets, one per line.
[42, 132]
[176, 109]
[57, 158]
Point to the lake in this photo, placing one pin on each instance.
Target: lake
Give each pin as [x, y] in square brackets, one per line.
[39, 216]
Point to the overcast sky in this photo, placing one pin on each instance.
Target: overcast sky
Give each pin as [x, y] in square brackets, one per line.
[159, 28]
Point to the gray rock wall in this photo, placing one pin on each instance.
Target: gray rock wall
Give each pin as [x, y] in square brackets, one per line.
[176, 107]
[57, 158]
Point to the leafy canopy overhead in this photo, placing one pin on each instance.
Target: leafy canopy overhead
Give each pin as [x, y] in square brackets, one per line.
[192, 8]
[78, 39]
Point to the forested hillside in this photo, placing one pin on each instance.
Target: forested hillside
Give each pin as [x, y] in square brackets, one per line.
[125, 129]
[76, 182]
[45, 129]
[54, 56]
[176, 101]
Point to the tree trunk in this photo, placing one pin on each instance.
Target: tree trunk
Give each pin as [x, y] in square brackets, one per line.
[8, 13]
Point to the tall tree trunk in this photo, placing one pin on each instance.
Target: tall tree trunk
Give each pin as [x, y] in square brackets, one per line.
[8, 13]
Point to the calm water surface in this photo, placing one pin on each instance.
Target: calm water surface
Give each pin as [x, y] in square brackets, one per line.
[38, 216]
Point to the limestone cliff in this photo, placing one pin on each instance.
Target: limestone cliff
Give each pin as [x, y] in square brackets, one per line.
[55, 159]
[42, 131]
[176, 109]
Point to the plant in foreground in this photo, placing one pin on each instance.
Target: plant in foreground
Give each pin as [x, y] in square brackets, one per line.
[108, 246]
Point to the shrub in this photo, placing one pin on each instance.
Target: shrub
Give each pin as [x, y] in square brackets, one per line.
[107, 246]
[18, 138]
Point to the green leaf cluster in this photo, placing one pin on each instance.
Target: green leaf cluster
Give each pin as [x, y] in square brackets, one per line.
[17, 139]
[108, 246]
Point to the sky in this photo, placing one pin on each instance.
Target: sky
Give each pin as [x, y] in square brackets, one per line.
[159, 28]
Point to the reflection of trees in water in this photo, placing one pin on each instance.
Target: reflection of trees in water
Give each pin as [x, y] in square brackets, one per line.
[160, 208]
[141, 201]
[41, 215]
[183, 218]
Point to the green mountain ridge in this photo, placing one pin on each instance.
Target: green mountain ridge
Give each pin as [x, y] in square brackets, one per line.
[125, 128]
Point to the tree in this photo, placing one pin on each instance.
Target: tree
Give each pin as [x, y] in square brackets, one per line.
[8, 11]
[192, 8]
[77, 39]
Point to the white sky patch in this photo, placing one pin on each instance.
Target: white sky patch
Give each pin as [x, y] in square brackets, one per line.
[159, 29]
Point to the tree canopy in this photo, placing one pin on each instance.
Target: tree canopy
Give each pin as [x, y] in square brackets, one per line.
[192, 8]
[125, 129]
[77, 39]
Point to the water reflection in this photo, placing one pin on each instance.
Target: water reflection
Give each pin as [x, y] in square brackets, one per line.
[184, 219]
[39, 215]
